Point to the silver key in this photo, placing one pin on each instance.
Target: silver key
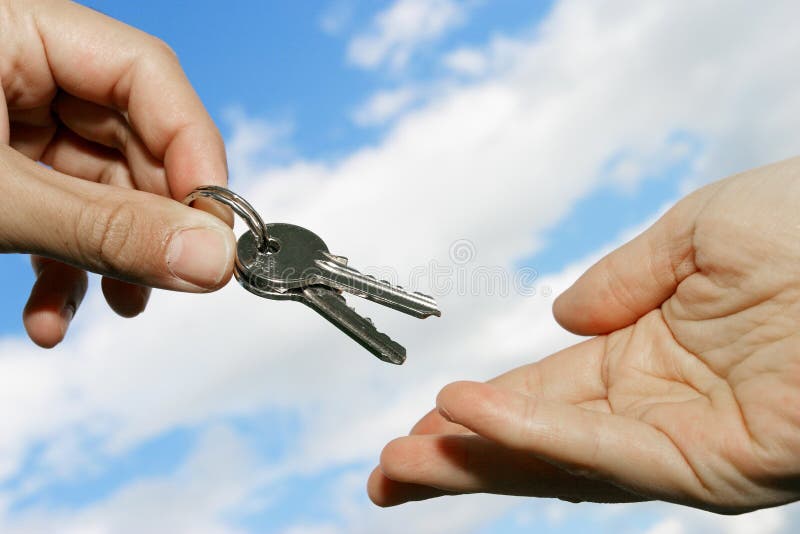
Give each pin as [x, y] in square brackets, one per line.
[299, 267]
[287, 262]
[331, 305]
[302, 259]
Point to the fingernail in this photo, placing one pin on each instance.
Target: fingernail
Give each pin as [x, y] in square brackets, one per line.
[199, 256]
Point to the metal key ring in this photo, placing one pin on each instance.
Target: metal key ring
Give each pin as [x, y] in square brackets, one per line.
[239, 205]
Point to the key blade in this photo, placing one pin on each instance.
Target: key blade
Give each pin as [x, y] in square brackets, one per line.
[345, 278]
[332, 306]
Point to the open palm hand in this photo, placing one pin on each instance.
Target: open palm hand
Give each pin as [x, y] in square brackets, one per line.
[690, 392]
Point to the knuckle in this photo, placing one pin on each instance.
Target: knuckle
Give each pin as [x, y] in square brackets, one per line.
[107, 237]
[161, 50]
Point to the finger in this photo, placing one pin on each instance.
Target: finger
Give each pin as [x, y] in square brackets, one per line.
[127, 300]
[384, 491]
[73, 155]
[30, 140]
[573, 375]
[55, 297]
[104, 61]
[31, 129]
[129, 235]
[471, 464]
[109, 128]
[616, 449]
[637, 277]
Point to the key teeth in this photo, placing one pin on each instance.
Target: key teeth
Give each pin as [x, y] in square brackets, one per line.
[387, 355]
[373, 277]
[386, 350]
[381, 291]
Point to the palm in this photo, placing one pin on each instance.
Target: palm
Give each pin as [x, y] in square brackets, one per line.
[710, 411]
[714, 367]
[689, 396]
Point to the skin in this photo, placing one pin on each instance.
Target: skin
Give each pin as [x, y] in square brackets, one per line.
[109, 110]
[689, 393]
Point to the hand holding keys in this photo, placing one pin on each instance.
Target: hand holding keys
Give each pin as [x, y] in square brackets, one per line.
[287, 262]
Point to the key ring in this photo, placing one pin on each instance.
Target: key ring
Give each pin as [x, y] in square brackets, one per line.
[239, 205]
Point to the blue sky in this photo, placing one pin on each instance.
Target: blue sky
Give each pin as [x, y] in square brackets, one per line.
[273, 59]
[526, 127]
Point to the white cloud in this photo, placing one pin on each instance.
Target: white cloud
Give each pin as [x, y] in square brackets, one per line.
[466, 61]
[211, 484]
[399, 30]
[767, 521]
[312, 529]
[556, 512]
[497, 161]
[384, 106]
[255, 143]
[667, 526]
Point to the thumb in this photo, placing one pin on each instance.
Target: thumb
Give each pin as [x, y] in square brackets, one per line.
[130, 235]
[637, 277]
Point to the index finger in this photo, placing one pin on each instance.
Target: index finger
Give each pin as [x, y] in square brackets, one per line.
[102, 60]
[573, 375]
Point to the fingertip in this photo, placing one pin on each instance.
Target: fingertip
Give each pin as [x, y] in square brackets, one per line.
[459, 398]
[561, 308]
[379, 489]
[54, 299]
[454, 389]
[385, 492]
[46, 327]
[196, 157]
[127, 300]
[407, 459]
[394, 457]
[578, 314]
